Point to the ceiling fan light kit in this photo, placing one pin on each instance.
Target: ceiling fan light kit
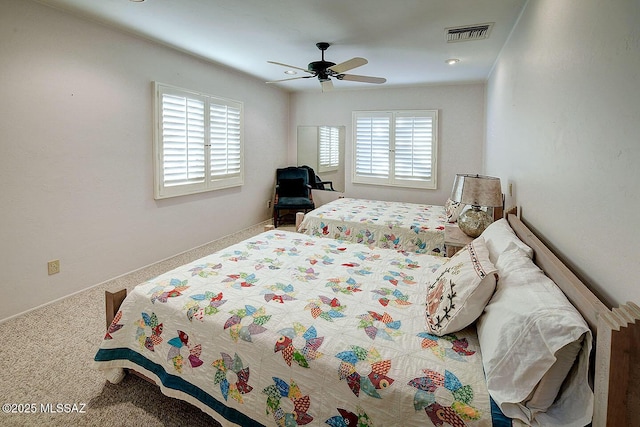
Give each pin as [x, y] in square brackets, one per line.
[325, 70]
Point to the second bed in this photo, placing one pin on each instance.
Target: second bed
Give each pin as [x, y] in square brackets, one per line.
[407, 227]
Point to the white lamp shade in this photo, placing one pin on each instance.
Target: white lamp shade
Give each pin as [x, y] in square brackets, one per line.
[477, 190]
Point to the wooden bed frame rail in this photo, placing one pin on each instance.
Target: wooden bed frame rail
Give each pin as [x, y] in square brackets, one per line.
[617, 338]
[616, 366]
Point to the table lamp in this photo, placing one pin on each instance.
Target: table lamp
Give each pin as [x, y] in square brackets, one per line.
[477, 191]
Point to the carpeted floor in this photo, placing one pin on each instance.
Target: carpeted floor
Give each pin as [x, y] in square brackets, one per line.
[46, 357]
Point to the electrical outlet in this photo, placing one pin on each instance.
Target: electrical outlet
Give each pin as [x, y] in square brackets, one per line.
[53, 267]
[268, 204]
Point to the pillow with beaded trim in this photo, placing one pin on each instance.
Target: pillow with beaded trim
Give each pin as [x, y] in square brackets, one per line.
[461, 289]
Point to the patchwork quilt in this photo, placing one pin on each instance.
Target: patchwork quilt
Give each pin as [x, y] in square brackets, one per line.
[288, 330]
[407, 227]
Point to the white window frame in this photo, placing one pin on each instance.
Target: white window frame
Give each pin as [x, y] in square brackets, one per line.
[214, 148]
[377, 143]
[328, 148]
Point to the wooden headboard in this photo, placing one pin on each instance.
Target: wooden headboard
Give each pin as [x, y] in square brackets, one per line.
[616, 332]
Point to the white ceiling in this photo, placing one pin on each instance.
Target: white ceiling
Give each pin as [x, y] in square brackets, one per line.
[403, 40]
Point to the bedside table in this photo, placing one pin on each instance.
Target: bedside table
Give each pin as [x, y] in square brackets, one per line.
[454, 239]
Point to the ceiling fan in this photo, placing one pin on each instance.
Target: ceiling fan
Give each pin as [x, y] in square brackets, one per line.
[324, 70]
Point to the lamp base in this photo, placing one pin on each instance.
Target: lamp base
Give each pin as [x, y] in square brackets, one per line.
[473, 221]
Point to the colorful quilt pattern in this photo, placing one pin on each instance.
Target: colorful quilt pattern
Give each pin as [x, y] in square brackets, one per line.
[287, 330]
[406, 227]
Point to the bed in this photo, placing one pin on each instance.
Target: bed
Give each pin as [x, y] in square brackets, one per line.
[402, 226]
[285, 329]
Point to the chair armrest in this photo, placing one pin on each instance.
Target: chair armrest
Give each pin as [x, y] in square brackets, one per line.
[324, 183]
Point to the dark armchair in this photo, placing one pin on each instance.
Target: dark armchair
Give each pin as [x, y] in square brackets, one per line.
[293, 192]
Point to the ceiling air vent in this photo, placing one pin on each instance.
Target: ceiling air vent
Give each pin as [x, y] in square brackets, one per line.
[468, 32]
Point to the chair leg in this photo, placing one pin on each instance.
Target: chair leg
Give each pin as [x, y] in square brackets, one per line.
[275, 218]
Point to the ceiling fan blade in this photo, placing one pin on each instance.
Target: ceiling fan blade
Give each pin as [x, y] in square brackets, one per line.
[289, 66]
[292, 78]
[364, 79]
[348, 65]
[327, 85]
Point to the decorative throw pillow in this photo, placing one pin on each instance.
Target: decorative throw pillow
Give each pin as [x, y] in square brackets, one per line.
[461, 289]
[292, 187]
[453, 210]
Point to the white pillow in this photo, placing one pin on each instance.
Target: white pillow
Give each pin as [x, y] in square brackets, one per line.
[453, 210]
[530, 336]
[547, 389]
[461, 288]
[498, 235]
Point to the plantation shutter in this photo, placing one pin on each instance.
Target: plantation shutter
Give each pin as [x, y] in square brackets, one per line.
[183, 141]
[329, 148]
[197, 142]
[396, 148]
[372, 145]
[225, 141]
[413, 147]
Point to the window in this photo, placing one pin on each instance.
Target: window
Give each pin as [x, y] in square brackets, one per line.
[395, 148]
[197, 142]
[328, 148]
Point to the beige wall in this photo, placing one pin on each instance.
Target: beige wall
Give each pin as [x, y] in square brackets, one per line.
[563, 125]
[76, 161]
[461, 130]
